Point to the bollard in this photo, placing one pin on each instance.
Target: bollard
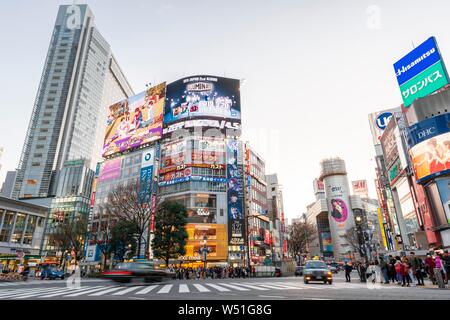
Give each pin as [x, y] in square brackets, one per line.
[439, 279]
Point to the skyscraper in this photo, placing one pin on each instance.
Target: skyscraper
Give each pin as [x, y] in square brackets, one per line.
[80, 79]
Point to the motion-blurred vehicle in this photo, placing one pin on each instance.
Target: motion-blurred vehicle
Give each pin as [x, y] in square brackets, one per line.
[277, 272]
[299, 271]
[317, 270]
[336, 265]
[126, 272]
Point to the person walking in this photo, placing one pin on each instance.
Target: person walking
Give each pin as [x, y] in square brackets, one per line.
[416, 269]
[430, 265]
[384, 270]
[446, 261]
[392, 272]
[348, 271]
[398, 271]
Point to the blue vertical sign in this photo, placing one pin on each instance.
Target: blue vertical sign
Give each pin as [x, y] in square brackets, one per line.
[146, 175]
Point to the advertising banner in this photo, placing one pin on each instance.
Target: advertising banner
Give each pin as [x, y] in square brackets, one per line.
[418, 60]
[378, 122]
[146, 175]
[135, 121]
[429, 81]
[444, 193]
[221, 125]
[429, 142]
[327, 243]
[203, 96]
[381, 225]
[110, 170]
[360, 188]
[235, 194]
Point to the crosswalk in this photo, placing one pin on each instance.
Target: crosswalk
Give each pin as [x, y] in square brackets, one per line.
[164, 289]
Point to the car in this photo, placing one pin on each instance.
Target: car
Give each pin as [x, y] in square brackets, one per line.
[317, 270]
[299, 271]
[52, 273]
[125, 272]
[336, 265]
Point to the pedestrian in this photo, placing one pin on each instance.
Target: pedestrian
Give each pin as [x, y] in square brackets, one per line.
[439, 265]
[446, 261]
[392, 272]
[348, 271]
[416, 269]
[398, 271]
[430, 265]
[406, 267]
[384, 270]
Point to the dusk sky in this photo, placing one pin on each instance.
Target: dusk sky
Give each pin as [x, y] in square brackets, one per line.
[313, 69]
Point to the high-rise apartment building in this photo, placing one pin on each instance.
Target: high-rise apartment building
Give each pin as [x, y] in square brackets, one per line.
[80, 79]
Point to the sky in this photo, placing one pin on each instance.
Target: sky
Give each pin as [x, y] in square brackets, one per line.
[313, 69]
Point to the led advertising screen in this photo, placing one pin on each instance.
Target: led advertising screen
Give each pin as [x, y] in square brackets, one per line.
[420, 72]
[429, 142]
[235, 194]
[135, 121]
[110, 170]
[203, 96]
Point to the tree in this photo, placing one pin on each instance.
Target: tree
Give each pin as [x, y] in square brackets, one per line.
[300, 235]
[130, 203]
[69, 235]
[354, 240]
[122, 238]
[169, 232]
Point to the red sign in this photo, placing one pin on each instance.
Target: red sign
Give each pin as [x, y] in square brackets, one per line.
[267, 236]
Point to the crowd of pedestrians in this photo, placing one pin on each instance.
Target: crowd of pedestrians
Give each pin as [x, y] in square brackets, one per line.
[212, 272]
[404, 271]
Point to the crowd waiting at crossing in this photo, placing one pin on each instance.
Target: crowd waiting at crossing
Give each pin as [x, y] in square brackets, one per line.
[404, 271]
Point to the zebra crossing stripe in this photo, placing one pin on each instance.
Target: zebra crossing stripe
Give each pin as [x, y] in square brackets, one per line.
[85, 292]
[183, 288]
[250, 286]
[277, 286]
[24, 292]
[120, 293]
[96, 294]
[219, 288]
[201, 288]
[64, 291]
[147, 290]
[234, 287]
[16, 291]
[166, 288]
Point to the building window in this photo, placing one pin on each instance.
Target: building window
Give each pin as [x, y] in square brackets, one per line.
[7, 227]
[36, 164]
[19, 228]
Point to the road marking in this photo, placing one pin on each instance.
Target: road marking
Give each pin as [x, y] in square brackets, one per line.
[219, 288]
[278, 286]
[17, 291]
[126, 291]
[251, 286]
[166, 288]
[183, 288]
[26, 292]
[271, 296]
[64, 291]
[85, 292]
[147, 290]
[234, 287]
[201, 288]
[96, 294]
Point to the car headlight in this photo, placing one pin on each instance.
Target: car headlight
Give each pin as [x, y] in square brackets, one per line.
[329, 273]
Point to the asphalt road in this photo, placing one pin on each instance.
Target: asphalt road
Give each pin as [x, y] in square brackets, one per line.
[286, 288]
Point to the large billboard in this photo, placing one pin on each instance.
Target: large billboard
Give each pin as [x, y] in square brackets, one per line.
[203, 96]
[135, 121]
[378, 122]
[421, 72]
[429, 142]
[235, 194]
[360, 188]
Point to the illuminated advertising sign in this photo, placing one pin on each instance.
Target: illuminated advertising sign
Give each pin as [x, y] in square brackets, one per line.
[429, 142]
[110, 170]
[420, 72]
[135, 121]
[327, 243]
[146, 175]
[444, 193]
[215, 235]
[203, 96]
[235, 193]
[221, 125]
[192, 178]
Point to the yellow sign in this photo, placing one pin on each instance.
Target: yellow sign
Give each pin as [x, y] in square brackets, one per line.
[213, 236]
[383, 234]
